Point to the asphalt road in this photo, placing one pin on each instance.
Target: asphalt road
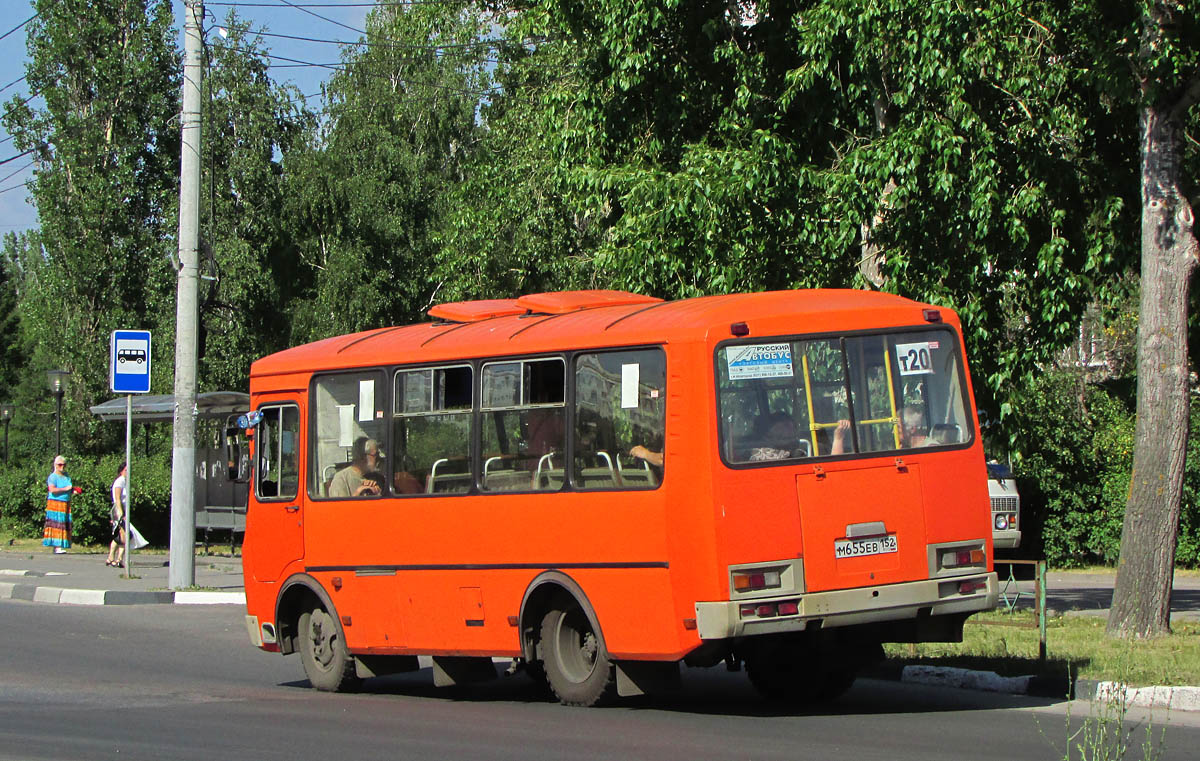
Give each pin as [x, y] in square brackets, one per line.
[169, 682]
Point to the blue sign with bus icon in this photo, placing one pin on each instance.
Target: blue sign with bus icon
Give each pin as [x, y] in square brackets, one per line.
[129, 362]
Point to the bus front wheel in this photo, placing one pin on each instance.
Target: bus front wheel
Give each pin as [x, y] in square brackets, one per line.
[576, 664]
[327, 663]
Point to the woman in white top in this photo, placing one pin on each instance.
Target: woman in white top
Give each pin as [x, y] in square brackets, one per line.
[120, 500]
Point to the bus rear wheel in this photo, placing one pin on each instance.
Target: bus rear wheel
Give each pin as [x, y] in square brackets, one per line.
[576, 664]
[327, 663]
[796, 674]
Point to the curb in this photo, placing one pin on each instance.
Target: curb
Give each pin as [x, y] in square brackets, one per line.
[64, 596]
[1171, 698]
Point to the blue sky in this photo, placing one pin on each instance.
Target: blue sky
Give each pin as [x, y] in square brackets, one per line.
[318, 19]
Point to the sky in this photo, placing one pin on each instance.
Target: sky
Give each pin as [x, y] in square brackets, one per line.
[335, 20]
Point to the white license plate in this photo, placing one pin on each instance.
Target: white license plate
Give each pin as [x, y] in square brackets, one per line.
[875, 545]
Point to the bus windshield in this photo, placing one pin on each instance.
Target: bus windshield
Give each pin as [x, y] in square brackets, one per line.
[783, 400]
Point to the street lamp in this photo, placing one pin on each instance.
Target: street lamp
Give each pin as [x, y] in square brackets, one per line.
[58, 385]
[6, 413]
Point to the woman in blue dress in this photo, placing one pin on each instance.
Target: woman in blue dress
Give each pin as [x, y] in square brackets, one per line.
[58, 507]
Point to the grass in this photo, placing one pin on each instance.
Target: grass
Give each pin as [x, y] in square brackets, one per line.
[1076, 647]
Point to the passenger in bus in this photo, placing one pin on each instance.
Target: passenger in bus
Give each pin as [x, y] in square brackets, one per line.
[914, 432]
[780, 441]
[841, 438]
[353, 480]
[649, 455]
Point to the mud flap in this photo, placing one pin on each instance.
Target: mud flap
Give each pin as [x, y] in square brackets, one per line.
[367, 666]
[642, 677]
[449, 670]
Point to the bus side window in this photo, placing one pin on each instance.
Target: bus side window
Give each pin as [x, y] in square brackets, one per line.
[524, 425]
[620, 404]
[431, 431]
[348, 408]
[278, 471]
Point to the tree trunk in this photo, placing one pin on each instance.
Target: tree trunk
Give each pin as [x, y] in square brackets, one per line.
[1142, 598]
[870, 266]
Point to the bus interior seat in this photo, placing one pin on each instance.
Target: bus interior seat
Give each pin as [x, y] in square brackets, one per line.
[453, 481]
[637, 476]
[327, 478]
[946, 433]
[601, 475]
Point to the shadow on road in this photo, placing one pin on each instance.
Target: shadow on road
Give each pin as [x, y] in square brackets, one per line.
[709, 692]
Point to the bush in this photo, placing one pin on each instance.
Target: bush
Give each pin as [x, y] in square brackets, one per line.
[1074, 477]
[23, 498]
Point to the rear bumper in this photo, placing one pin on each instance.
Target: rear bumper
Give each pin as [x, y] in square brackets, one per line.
[849, 607]
[1007, 539]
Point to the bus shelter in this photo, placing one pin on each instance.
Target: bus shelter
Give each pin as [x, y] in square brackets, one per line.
[220, 502]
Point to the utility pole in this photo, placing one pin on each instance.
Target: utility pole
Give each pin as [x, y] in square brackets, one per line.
[183, 455]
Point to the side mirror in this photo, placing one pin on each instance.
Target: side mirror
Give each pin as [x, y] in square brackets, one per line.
[237, 455]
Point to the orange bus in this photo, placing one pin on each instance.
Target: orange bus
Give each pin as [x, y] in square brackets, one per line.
[601, 486]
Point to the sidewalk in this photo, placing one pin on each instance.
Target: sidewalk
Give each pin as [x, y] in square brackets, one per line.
[1075, 593]
[80, 578]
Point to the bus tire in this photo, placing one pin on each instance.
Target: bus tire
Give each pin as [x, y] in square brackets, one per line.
[327, 663]
[576, 663]
[792, 672]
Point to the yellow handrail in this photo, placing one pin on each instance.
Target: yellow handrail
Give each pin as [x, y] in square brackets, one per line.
[812, 421]
[891, 395]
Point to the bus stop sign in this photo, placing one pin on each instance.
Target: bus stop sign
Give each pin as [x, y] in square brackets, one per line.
[129, 362]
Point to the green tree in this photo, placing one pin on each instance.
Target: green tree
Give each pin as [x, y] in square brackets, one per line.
[709, 147]
[251, 125]
[1166, 67]
[103, 186]
[11, 359]
[509, 228]
[369, 195]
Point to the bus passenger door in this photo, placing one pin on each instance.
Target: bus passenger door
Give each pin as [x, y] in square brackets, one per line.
[274, 524]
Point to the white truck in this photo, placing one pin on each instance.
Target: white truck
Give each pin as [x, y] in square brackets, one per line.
[1006, 507]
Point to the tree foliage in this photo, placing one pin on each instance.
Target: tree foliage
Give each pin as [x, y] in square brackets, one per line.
[703, 148]
[249, 257]
[103, 186]
[367, 196]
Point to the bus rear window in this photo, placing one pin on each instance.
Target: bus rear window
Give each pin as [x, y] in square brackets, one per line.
[800, 399]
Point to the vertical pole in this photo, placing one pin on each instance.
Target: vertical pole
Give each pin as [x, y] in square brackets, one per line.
[1041, 608]
[6, 442]
[183, 459]
[128, 476]
[58, 395]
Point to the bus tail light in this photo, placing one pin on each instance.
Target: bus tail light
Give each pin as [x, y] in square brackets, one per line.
[962, 557]
[970, 587]
[769, 609]
[752, 581]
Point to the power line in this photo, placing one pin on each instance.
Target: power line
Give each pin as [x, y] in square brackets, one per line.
[301, 6]
[22, 169]
[386, 42]
[347, 69]
[323, 18]
[14, 158]
[18, 26]
[14, 82]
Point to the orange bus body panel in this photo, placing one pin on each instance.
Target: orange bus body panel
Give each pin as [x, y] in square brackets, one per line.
[448, 574]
